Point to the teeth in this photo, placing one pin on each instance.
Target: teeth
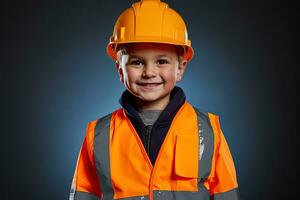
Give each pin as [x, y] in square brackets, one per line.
[150, 83]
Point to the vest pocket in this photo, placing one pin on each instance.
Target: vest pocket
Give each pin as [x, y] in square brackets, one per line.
[186, 156]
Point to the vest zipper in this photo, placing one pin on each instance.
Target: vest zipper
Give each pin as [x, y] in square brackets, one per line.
[148, 139]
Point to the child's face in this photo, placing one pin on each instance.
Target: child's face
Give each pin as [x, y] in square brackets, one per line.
[150, 72]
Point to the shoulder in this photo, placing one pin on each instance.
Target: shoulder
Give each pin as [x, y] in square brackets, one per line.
[203, 113]
[211, 120]
[207, 117]
[210, 124]
[104, 117]
[102, 121]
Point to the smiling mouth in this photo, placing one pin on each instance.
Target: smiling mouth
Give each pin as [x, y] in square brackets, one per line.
[149, 84]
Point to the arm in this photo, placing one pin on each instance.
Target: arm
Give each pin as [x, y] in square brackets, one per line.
[85, 184]
[223, 181]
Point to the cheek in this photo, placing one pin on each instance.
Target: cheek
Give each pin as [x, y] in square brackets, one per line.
[131, 75]
[169, 75]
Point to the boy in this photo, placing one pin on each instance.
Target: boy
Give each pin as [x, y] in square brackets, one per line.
[157, 146]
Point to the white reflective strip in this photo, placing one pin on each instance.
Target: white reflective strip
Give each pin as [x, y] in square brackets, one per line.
[201, 143]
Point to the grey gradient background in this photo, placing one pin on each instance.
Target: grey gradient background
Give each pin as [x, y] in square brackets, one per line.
[56, 77]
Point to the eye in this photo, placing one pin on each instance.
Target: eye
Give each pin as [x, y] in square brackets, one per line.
[135, 62]
[162, 61]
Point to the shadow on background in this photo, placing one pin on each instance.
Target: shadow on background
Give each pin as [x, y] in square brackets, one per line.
[56, 77]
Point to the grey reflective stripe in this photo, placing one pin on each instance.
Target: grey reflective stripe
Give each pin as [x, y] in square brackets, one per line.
[202, 194]
[230, 195]
[136, 198]
[102, 158]
[84, 196]
[206, 144]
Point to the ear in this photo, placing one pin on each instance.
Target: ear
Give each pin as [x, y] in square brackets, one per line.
[181, 70]
[120, 71]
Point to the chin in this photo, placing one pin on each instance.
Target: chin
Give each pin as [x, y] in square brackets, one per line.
[149, 99]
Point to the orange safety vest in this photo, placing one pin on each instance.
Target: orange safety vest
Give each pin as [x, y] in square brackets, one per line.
[194, 161]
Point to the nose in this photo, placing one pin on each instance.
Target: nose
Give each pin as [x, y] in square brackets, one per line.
[149, 71]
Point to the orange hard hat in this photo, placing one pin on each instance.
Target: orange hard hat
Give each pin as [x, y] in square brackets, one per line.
[150, 21]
